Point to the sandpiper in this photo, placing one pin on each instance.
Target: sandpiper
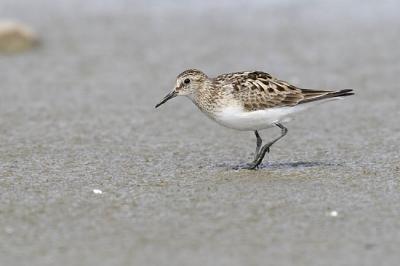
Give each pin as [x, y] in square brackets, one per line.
[248, 100]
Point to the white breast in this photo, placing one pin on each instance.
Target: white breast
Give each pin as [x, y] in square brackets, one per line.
[239, 119]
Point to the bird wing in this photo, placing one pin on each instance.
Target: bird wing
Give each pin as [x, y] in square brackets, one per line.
[259, 90]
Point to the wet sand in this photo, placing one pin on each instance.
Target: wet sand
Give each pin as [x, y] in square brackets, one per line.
[77, 114]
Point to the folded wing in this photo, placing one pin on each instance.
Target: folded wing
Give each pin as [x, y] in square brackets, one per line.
[259, 90]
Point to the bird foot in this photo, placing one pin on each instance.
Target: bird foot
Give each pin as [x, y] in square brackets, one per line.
[248, 166]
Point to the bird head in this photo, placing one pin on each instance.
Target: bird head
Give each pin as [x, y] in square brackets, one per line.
[187, 84]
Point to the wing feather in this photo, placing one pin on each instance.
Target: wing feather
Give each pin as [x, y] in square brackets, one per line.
[258, 90]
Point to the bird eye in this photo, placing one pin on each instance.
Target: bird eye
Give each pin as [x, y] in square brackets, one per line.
[186, 81]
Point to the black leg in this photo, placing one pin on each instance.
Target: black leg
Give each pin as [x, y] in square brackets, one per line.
[259, 143]
[260, 156]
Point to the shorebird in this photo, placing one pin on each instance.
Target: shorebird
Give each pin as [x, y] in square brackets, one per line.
[248, 101]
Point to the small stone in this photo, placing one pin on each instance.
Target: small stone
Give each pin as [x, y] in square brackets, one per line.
[333, 213]
[16, 37]
[97, 191]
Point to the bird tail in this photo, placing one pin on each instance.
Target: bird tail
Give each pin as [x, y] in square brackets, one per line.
[316, 95]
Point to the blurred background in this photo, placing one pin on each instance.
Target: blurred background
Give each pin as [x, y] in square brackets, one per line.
[92, 174]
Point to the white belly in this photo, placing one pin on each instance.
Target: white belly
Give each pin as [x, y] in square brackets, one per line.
[239, 119]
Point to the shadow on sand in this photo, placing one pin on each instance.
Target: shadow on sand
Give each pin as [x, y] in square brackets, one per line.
[289, 165]
[283, 165]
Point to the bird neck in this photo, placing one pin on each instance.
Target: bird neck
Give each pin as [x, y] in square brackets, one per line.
[206, 97]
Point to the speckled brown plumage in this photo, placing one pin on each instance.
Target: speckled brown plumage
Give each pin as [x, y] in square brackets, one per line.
[259, 90]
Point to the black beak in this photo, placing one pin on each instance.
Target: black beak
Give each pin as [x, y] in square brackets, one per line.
[168, 97]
